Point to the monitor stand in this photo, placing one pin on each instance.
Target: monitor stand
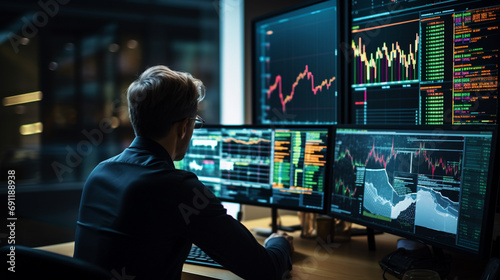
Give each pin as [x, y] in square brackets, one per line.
[274, 224]
[274, 219]
[370, 235]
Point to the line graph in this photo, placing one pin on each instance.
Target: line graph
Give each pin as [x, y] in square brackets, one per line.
[433, 162]
[382, 201]
[203, 167]
[257, 149]
[204, 144]
[246, 155]
[247, 142]
[296, 67]
[381, 158]
[202, 156]
[340, 188]
[415, 156]
[376, 174]
[278, 84]
[444, 211]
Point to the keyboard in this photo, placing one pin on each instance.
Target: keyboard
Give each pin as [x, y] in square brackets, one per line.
[199, 257]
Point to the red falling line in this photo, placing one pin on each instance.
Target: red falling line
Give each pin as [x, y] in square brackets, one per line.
[306, 73]
[347, 154]
[349, 193]
[380, 159]
[448, 169]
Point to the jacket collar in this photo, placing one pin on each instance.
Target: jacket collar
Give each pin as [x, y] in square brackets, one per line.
[144, 143]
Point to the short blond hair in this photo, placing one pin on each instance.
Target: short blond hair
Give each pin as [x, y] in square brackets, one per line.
[160, 97]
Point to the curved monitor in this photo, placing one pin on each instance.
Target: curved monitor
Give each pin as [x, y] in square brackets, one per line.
[434, 184]
[283, 167]
[295, 65]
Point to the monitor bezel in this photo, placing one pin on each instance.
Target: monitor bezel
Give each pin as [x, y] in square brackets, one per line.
[491, 191]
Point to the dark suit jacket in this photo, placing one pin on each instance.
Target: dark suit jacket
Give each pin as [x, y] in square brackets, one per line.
[139, 216]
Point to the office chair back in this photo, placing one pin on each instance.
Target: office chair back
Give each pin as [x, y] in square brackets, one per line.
[30, 263]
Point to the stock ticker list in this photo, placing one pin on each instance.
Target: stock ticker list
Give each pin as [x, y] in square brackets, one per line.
[432, 67]
[299, 166]
[467, 92]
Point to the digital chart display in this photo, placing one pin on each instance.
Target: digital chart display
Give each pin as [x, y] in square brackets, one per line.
[203, 157]
[300, 164]
[282, 166]
[296, 66]
[425, 183]
[427, 63]
[383, 66]
[246, 155]
[388, 60]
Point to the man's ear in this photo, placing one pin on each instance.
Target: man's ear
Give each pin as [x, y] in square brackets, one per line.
[182, 128]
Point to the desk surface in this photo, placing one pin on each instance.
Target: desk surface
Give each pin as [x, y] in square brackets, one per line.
[346, 260]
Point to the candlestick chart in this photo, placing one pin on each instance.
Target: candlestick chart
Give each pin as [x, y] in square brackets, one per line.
[386, 72]
[391, 58]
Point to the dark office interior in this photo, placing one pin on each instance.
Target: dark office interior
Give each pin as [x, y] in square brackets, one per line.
[85, 55]
[74, 61]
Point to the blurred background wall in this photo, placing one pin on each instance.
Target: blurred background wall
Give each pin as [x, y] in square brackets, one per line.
[65, 66]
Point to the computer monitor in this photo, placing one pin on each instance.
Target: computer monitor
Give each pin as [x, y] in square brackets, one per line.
[434, 184]
[282, 167]
[424, 62]
[295, 65]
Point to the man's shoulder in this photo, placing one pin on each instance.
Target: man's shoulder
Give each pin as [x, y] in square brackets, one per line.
[144, 168]
[140, 159]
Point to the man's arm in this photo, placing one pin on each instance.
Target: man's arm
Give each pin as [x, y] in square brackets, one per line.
[228, 242]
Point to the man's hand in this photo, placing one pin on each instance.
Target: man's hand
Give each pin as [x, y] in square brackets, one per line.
[286, 236]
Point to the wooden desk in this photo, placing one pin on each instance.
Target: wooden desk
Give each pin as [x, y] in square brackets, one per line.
[347, 260]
